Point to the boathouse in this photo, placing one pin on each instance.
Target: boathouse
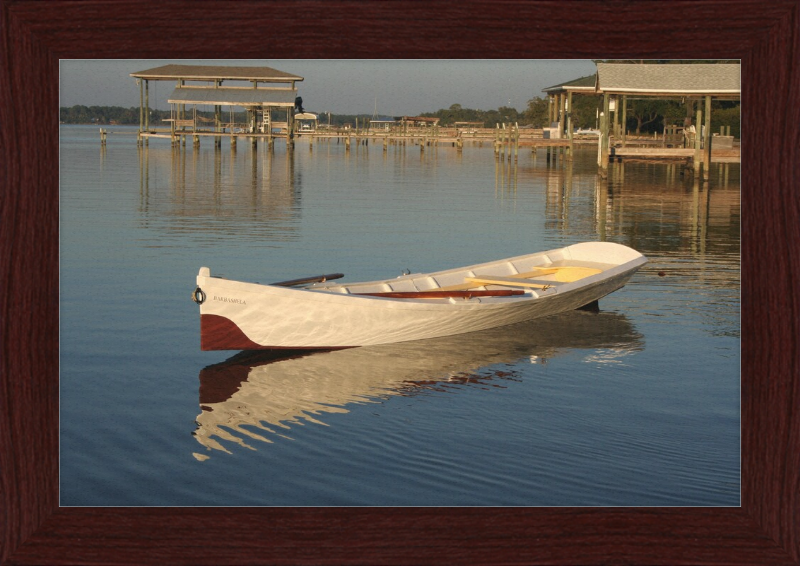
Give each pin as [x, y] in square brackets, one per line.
[694, 84]
[266, 95]
[559, 99]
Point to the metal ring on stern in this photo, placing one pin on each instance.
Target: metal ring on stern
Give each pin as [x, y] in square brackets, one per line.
[198, 296]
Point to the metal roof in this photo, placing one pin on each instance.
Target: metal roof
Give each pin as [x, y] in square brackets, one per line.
[212, 72]
[678, 78]
[234, 96]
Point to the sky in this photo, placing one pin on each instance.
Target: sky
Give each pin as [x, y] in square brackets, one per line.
[396, 87]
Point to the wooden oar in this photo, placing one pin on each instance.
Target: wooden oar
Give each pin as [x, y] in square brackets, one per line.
[443, 294]
[306, 280]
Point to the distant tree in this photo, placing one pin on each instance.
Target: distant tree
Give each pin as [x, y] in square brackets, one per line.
[585, 110]
[536, 113]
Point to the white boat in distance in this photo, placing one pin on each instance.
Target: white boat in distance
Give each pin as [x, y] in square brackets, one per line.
[316, 313]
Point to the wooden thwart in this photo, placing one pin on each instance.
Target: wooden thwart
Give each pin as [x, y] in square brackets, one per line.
[443, 294]
[508, 281]
[563, 274]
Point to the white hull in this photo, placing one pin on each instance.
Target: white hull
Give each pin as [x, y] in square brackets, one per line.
[241, 316]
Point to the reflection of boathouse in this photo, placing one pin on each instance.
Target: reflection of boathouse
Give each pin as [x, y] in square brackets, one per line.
[269, 110]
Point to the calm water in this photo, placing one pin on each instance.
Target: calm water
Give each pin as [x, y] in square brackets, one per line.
[635, 405]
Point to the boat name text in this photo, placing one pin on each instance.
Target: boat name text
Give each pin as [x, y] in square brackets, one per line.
[230, 300]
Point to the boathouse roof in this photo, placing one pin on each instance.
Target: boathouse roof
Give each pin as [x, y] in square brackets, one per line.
[585, 84]
[215, 72]
[682, 79]
[227, 96]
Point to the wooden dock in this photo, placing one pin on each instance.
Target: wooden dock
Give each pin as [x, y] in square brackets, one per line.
[728, 155]
[505, 141]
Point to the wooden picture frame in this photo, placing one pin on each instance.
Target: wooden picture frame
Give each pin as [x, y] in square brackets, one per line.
[36, 34]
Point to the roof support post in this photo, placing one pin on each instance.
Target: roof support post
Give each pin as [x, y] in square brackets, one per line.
[182, 106]
[141, 105]
[707, 136]
[624, 119]
[604, 133]
[697, 137]
[569, 125]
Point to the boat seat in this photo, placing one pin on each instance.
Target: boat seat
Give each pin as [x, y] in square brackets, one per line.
[507, 281]
[561, 274]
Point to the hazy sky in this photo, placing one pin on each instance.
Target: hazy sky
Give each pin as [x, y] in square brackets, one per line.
[399, 87]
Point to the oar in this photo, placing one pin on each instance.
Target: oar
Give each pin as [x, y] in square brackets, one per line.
[306, 280]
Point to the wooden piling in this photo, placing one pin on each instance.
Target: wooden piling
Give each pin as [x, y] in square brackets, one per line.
[697, 137]
[707, 139]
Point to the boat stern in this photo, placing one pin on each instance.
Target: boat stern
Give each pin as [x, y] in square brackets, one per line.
[217, 332]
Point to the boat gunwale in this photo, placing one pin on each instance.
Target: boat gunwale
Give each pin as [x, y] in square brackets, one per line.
[332, 297]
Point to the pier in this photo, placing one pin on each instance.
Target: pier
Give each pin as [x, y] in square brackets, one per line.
[274, 112]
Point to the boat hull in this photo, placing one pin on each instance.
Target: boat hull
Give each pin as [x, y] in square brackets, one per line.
[244, 316]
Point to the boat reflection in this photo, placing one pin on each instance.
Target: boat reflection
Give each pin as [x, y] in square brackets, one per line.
[258, 395]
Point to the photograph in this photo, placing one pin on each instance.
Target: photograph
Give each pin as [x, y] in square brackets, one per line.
[400, 283]
[346, 283]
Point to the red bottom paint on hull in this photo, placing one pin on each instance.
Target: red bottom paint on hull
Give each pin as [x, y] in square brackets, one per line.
[220, 333]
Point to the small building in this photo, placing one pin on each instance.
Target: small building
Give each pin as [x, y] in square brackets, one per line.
[382, 125]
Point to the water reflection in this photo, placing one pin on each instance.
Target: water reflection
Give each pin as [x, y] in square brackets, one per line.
[259, 396]
[655, 207]
[247, 191]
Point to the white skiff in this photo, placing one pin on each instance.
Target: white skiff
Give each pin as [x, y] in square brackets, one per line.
[235, 315]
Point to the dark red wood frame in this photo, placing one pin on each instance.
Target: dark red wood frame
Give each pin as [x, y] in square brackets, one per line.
[36, 34]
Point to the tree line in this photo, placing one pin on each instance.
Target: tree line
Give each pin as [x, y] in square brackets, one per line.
[645, 116]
